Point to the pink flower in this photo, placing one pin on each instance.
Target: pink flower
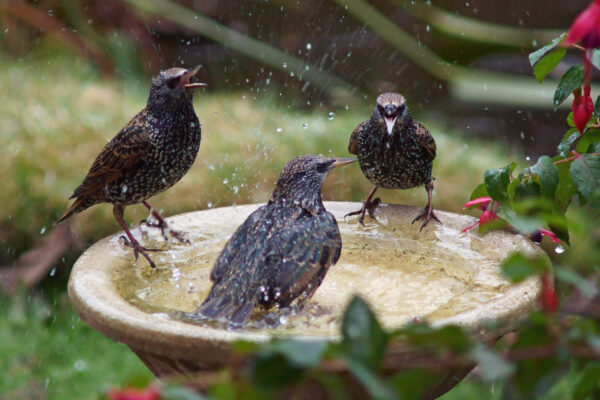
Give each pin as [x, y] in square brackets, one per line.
[586, 27]
[548, 299]
[583, 106]
[550, 235]
[149, 393]
[488, 214]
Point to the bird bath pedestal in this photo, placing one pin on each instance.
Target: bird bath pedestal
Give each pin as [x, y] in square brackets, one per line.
[441, 275]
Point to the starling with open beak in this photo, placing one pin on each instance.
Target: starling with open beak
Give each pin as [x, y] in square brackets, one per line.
[282, 251]
[394, 152]
[149, 155]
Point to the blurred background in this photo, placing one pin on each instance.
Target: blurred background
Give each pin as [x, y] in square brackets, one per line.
[284, 78]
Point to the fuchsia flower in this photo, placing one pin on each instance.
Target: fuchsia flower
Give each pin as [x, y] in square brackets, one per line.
[548, 299]
[586, 27]
[488, 214]
[551, 235]
[583, 106]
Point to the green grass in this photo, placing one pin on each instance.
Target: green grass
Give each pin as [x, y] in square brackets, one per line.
[47, 352]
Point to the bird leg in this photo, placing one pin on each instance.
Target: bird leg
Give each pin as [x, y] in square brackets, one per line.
[131, 242]
[427, 212]
[368, 205]
[162, 224]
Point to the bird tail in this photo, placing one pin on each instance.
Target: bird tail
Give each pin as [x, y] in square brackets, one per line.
[223, 307]
[80, 204]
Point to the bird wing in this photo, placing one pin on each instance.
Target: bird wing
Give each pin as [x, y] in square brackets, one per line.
[353, 144]
[300, 255]
[119, 155]
[426, 140]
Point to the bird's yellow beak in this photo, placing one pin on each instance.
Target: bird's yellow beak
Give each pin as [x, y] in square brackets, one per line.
[185, 79]
[342, 161]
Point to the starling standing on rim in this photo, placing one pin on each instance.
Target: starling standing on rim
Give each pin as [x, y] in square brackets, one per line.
[149, 155]
[394, 152]
[282, 251]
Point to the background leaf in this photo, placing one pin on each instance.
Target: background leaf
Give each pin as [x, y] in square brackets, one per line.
[535, 57]
[567, 142]
[585, 172]
[517, 267]
[548, 174]
[548, 63]
[496, 182]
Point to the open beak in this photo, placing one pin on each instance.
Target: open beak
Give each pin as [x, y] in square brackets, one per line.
[389, 121]
[185, 79]
[342, 161]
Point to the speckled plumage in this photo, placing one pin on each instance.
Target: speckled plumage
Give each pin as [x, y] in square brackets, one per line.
[282, 251]
[394, 151]
[149, 155]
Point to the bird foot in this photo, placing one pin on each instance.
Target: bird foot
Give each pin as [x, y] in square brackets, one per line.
[164, 229]
[367, 207]
[426, 216]
[139, 249]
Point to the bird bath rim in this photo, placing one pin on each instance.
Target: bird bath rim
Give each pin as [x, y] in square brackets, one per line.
[96, 300]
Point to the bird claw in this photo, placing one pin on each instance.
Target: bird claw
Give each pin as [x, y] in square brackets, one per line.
[138, 249]
[367, 207]
[164, 229]
[426, 215]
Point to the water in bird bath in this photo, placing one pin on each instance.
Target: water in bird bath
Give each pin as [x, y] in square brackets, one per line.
[403, 273]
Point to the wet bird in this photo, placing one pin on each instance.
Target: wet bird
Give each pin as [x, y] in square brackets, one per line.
[282, 251]
[394, 152]
[149, 155]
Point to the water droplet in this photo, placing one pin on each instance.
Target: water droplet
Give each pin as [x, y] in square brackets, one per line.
[53, 271]
[305, 125]
[209, 204]
[43, 230]
[427, 28]
[284, 65]
[278, 130]
[331, 115]
[80, 365]
[283, 320]
[559, 249]
[527, 158]
[225, 181]
[211, 167]
[124, 189]
[308, 46]
[236, 189]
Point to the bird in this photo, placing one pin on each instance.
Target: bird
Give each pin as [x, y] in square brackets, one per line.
[394, 152]
[149, 155]
[283, 249]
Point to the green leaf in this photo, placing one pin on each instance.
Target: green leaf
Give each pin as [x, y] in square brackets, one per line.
[491, 365]
[590, 138]
[496, 182]
[548, 63]
[570, 120]
[479, 191]
[537, 55]
[597, 107]
[517, 267]
[572, 277]
[567, 142]
[526, 188]
[524, 224]
[585, 172]
[571, 80]
[587, 386]
[548, 174]
[272, 371]
[363, 339]
[566, 189]
[300, 353]
[372, 382]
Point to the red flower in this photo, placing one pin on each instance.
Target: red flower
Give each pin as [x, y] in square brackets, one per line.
[149, 393]
[586, 27]
[488, 214]
[583, 106]
[548, 300]
[550, 235]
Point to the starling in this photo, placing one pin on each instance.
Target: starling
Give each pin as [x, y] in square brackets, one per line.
[282, 251]
[149, 155]
[394, 152]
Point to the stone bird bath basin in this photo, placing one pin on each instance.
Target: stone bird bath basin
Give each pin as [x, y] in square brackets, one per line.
[440, 274]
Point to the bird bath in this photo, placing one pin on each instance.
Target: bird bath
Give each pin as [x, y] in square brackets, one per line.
[441, 275]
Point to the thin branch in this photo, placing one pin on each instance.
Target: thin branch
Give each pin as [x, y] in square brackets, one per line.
[564, 160]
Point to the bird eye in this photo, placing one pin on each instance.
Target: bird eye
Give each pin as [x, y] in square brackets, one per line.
[321, 168]
[173, 82]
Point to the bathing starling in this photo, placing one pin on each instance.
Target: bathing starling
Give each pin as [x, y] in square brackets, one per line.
[282, 251]
[149, 155]
[394, 152]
